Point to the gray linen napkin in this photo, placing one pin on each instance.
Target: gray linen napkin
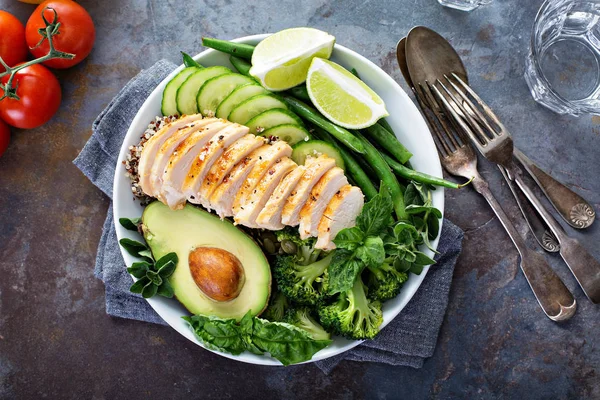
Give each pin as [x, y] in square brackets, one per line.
[407, 341]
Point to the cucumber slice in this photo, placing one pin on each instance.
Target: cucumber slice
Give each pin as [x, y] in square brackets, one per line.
[239, 95]
[250, 108]
[271, 118]
[187, 92]
[314, 148]
[169, 103]
[289, 133]
[213, 92]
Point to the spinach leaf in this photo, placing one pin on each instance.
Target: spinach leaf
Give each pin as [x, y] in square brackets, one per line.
[375, 214]
[165, 290]
[422, 259]
[285, 342]
[372, 253]
[139, 269]
[223, 335]
[343, 270]
[130, 223]
[349, 238]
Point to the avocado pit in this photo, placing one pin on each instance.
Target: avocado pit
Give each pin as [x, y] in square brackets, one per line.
[218, 273]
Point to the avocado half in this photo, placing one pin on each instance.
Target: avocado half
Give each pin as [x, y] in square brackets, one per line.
[221, 271]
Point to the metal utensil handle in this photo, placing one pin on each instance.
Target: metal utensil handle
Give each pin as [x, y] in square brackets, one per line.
[551, 293]
[538, 227]
[584, 267]
[572, 207]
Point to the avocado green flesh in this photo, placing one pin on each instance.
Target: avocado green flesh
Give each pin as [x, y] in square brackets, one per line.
[181, 231]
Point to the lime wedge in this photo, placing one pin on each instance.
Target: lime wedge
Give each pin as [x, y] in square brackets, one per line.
[341, 97]
[281, 61]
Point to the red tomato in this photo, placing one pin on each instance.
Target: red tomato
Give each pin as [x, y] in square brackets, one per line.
[40, 96]
[4, 137]
[76, 32]
[13, 48]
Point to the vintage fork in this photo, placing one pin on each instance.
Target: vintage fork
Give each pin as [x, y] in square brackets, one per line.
[459, 159]
[496, 144]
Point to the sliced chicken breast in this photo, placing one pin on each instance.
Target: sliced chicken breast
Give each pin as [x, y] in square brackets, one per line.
[262, 192]
[277, 150]
[316, 167]
[154, 143]
[224, 195]
[183, 159]
[224, 164]
[206, 158]
[341, 213]
[270, 216]
[319, 198]
[166, 150]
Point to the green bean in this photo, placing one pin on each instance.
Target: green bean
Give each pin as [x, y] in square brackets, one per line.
[383, 122]
[389, 142]
[422, 177]
[310, 114]
[374, 157]
[188, 61]
[235, 49]
[299, 92]
[358, 175]
[242, 66]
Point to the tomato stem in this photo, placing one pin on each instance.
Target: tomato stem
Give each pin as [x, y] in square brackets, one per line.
[50, 30]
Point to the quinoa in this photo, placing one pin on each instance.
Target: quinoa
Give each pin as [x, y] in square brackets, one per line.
[133, 157]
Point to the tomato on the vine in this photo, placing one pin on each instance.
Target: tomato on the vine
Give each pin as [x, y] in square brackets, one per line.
[39, 97]
[13, 48]
[4, 137]
[76, 33]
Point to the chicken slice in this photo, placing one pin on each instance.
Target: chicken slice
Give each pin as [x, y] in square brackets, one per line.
[172, 192]
[341, 213]
[166, 150]
[270, 215]
[316, 167]
[261, 193]
[224, 164]
[207, 157]
[154, 143]
[276, 151]
[319, 198]
[222, 198]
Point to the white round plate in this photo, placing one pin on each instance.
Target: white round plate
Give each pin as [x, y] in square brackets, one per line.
[404, 118]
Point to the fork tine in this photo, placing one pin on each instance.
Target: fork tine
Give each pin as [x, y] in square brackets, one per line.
[446, 137]
[464, 126]
[482, 139]
[491, 115]
[422, 95]
[475, 109]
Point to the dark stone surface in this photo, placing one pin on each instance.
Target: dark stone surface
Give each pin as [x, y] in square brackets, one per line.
[57, 342]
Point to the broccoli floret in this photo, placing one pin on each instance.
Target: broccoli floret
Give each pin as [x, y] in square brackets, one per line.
[303, 250]
[303, 284]
[352, 315]
[384, 281]
[301, 317]
[278, 305]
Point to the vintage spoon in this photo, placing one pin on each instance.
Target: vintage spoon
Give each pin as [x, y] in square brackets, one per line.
[540, 230]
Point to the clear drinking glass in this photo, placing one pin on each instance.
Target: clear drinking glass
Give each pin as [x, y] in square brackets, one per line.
[563, 65]
[464, 5]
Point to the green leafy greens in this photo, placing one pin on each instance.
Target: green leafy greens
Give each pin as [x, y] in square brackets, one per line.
[285, 342]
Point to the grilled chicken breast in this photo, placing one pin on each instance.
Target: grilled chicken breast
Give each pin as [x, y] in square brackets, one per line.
[154, 143]
[316, 167]
[276, 151]
[206, 158]
[261, 193]
[341, 212]
[182, 159]
[224, 164]
[320, 196]
[270, 216]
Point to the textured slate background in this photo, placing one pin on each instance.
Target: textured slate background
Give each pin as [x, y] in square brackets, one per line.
[56, 341]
